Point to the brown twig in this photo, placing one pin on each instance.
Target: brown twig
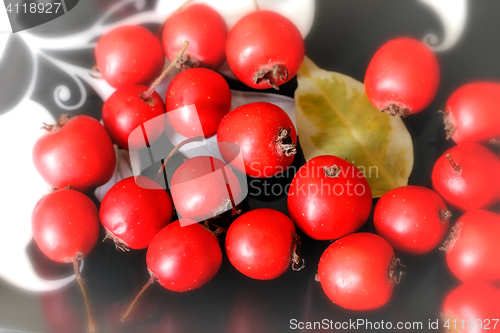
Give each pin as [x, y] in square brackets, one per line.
[179, 146]
[147, 95]
[76, 267]
[151, 280]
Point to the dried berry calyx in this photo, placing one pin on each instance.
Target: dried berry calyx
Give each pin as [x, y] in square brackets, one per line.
[396, 270]
[452, 238]
[285, 142]
[449, 127]
[495, 142]
[332, 171]
[297, 262]
[119, 244]
[63, 120]
[271, 75]
[186, 62]
[444, 215]
[396, 110]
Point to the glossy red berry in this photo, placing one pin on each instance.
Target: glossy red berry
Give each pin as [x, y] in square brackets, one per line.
[472, 251]
[65, 225]
[205, 30]
[204, 187]
[472, 308]
[473, 113]
[184, 258]
[264, 49]
[359, 271]
[208, 92]
[260, 243]
[129, 55]
[329, 198]
[465, 176]
[265, 135]
[134, 210]
[126, 110]
[75, 152]
[412, 219]
[402, 77]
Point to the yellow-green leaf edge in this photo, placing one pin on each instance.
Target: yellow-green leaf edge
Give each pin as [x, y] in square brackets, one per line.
[334, 117]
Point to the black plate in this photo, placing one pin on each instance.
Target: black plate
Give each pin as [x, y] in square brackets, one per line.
[345, 35]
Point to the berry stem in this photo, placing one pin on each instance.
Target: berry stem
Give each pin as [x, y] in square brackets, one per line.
[456, 168]
[147, 95]
[218, 229]
[76, 267]
[151, 280]
[179, 146]
[160, 29]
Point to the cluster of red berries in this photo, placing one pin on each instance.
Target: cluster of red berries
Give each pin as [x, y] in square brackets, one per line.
[403, 78]
[77, 155]
[264, 49]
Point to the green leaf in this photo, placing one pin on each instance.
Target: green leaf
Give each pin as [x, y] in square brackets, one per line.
[334, 117]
